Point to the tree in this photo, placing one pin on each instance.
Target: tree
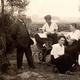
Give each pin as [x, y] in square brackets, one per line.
[20, 4]
[2, 5]
[2, 13]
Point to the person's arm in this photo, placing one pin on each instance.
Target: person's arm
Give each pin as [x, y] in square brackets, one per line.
[55, 28]
[44, 28]
[52, 52]
[77, 34]
[74, 36]
[68, 35]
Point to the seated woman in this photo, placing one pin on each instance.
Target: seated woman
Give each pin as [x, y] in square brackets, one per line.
[58, 50]
[63, 57]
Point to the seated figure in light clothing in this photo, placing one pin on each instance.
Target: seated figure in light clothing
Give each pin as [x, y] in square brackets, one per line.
[48, 33]
[73, 36]
[64, 56]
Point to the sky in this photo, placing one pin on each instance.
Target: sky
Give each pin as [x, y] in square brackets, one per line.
[60, 8]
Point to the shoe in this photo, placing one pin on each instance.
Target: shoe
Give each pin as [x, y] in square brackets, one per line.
[69, 73]
[31, 67]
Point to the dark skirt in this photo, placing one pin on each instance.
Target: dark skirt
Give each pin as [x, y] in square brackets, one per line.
[63, 63]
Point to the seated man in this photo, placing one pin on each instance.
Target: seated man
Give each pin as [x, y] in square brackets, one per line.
[71, 50]
[75, 33]
[48, 34]
[74, 36]
[50, 28]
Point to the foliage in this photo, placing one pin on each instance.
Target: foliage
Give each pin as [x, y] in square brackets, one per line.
[18, 3]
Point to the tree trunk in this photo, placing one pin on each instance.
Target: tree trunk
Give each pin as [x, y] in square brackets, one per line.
[2, 13]
[2, 4]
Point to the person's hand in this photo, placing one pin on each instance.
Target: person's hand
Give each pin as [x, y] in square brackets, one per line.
[55, 31]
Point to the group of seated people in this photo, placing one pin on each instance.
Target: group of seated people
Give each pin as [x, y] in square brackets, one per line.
[65, 48]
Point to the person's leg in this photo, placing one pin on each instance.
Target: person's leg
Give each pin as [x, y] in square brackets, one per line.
[59, 64]
[63, 63]
[29, 57]
[43, 54]
[19, 57]
[54, 67]
[52, 59]
[4, 63]
[75, 62]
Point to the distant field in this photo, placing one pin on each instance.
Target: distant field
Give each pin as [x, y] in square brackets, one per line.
[63, 27]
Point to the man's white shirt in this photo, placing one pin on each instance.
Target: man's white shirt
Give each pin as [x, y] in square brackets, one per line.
[74, 35]
[57, 50]
[46, 28]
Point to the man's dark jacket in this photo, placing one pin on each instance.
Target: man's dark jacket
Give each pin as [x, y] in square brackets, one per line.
[19, 34]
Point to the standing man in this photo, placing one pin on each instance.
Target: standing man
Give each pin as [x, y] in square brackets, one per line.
[24, 43]
[21, 37]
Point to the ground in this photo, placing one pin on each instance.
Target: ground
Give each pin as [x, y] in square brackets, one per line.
[41, 72]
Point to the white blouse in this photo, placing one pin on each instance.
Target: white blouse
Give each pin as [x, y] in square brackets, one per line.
[51, 28]
[57, 50]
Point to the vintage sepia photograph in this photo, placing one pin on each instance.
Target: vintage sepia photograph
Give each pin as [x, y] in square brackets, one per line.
[39, 39]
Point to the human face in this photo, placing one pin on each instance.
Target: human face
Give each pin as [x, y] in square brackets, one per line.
[48, 21]
[61, 41]
[72, 28]
[40, 30]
